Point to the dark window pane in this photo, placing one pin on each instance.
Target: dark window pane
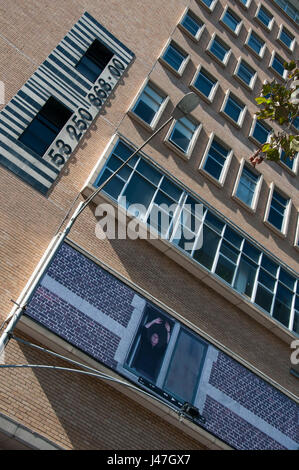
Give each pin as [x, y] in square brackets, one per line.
[287, 279]
[171, 189]
[277, 65]
[191, 24]
[114, 187]
[246, 73]
[251, 251]
[206, 254]
[264, 16]
[296, 322]
[231, 20]
[267, 280]
[233, 109]
[174, 57]
[233, 237]
[183, 374]
[261, 132]
[148, 171]
[286, 38]
[94, 60]
[46, 125]
[268, 264]
[139, 191]
[263, 298]
[214, 222]
[245, 276]
[282, 305]
[255, 43]
[204, 83]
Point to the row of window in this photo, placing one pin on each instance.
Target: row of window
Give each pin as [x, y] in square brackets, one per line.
[262, 14]
[289, 9]
[194, 26]
[151, 102]
[52, 117]
[176, 58]
[212, 242]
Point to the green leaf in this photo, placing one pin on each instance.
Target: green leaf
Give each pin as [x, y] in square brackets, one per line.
[266, 147]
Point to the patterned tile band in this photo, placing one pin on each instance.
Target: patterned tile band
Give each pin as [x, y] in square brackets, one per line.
[96, 312]
[59, 78]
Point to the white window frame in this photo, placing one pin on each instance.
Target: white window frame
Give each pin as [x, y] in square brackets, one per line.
[236, 76]
[262, 53]
[209, 99]
[282, 233]
[285, 73]
[179, 72]
[228, 54]
[296, 242]
[197, 37]
[227, 116]
[293, 171]
[221, 181]
[238, 29]
[248, 3]
[185, 155]
[209, 9]
[293, 44]
[252, 138]
[257, 190]
[158, 115]
[267, 28]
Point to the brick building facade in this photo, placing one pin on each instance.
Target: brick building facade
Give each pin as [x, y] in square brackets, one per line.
[233, 302]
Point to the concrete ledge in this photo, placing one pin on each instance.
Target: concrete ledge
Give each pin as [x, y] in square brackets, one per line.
[15, 436]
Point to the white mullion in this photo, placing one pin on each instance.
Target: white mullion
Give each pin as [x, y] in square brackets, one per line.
[292, 313]
[275, 291]
[176, 218]
[238, 261]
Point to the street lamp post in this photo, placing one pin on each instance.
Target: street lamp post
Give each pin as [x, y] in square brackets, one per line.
[185, 106]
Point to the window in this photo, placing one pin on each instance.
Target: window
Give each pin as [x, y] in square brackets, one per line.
[216, 161]
[185, 366]
[286, 38]
[175, 58]
[45, 127]
[192, 25]
[231, 21]
[219, 50]
[276, 64]
[247, 187]
[289, 9]
[150, 344]
[149, 105]
[277, 211]
[209, 4]
[296, 244]
[214, 243]
[255, 44]
[183, 134]
[259, 132]
[295, 123]
[264, 17]
[95, 59]
[173, 366]
[245, 74]
[233, 109]
[290, 163]
[204, 84]
[245, 3]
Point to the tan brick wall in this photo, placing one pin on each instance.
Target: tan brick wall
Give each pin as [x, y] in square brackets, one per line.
[71, 410]
[80, 413]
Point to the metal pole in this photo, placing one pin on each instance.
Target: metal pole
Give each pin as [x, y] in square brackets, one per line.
[38, 273]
